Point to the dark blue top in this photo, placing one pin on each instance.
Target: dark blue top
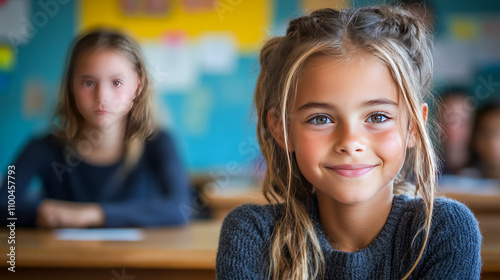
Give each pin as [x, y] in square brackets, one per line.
[452, 252]
[155, 191]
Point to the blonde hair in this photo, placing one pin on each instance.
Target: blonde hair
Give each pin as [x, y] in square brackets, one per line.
[68, 122]
[400, 41]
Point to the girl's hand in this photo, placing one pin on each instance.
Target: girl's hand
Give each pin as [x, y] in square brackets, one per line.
[58, 213]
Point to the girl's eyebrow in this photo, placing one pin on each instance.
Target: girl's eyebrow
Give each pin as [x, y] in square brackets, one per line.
[118, 75]
[86, 76]
[317, 105]
[379, 101]
[328, 106]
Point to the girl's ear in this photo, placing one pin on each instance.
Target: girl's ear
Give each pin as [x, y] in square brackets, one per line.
[139, 87]
[424, 110]
[276, 127]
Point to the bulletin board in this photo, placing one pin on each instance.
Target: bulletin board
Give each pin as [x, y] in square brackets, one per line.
[150, 19]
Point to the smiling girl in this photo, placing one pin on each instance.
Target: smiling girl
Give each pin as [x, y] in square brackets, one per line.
[105, 164]
[342, 127]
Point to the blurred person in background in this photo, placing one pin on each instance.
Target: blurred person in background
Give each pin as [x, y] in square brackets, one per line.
[485, 143]
[105, 164]
[455, 120]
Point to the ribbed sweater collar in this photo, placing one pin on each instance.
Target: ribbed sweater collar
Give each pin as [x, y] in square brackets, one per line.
[381, 245]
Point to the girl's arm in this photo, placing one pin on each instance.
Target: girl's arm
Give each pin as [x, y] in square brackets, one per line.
[170, 205]
[26, 200]
[15, 190]
[54, 213]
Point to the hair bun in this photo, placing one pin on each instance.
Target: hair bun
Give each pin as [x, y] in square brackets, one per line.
[268, 51]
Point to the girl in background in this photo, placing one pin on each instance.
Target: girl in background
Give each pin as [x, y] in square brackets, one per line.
[485, 143]
[455, 119]
[342, 127]
[105, 164]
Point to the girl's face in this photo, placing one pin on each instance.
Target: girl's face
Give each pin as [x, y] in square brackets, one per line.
[348, 128]
[456, 122]
[104, 85]
[487, 140]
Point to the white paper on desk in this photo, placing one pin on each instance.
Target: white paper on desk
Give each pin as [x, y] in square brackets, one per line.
[99, 234]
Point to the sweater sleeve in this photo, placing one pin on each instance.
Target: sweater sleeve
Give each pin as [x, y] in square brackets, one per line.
[171, 207]
[28, 165]
[244, 242]
[454, 246]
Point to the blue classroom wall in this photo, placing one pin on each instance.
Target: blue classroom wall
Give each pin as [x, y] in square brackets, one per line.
[228, 138]
[229, 129]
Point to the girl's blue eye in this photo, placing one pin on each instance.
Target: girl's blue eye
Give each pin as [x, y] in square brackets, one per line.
[320, 119]
[377, 118]
[88, 83]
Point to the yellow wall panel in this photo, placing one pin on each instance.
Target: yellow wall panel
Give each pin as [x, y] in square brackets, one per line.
[247, 20]
[311, 5]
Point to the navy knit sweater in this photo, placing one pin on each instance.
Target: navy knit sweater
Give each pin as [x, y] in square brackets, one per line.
[453, 250]
[154, 192]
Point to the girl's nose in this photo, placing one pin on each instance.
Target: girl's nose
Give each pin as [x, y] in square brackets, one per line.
[101, 94]
[348, 140]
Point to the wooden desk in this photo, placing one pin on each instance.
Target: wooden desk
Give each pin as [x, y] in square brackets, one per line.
[479, 204]
[164, 253]
[481, 196]
[490, 252]
[221, 204]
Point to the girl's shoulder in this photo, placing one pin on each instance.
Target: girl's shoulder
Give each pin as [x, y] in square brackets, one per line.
[252, 218]
[160, 143]
[444, 208]
[253, 213]
[455, 217]
[449, 216]
[44, 145]
[454, 244]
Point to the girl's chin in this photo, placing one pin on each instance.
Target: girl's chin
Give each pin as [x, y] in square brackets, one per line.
[99, 126]
[355, 197]
[348, 199]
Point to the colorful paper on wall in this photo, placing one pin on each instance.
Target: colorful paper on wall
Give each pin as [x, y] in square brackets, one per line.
[453, 62]
[99, 234]
[464, 28]
[146, 8]
[7, 58]
[491, 27]
[34, 98]
[217, 53]
[172, 65]
[14, 15]
[199, 6]
[311, 5]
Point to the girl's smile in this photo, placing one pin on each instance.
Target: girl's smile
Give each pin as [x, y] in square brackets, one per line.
[352, 170]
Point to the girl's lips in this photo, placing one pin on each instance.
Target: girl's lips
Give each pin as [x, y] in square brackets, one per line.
[101, 112]
[352, 171]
